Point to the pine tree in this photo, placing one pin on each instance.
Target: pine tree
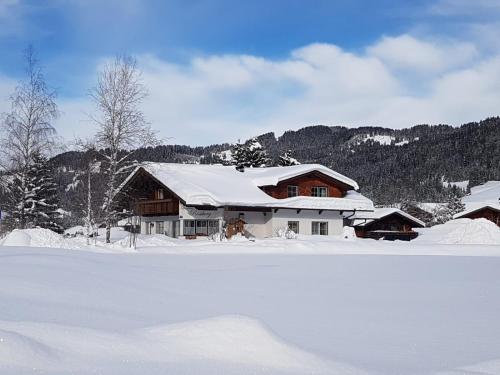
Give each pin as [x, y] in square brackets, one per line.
[287, 160]
[249, 155]
[445, 212]
[239, 156]
[256, 155]
[455, 204]
[43, 200]
[18, 204]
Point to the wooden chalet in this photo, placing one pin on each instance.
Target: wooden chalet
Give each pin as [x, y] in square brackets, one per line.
[386, 223]
[199, 200]
[483, 201]
[490, 212]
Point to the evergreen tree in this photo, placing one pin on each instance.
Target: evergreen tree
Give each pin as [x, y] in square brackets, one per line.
[445, 212]
[256, 155]
[43, 202]
[287, 160]
[249, 155]
[239, 156]
[455, 204]
[19, 199]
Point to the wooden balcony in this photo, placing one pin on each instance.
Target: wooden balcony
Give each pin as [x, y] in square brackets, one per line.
[159, 207]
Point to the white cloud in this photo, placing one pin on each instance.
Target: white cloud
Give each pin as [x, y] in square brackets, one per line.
[221, 98]
[408, 52]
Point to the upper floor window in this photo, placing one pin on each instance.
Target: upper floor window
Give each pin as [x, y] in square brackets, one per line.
[159, 194]
[319, 191]
[293, 191]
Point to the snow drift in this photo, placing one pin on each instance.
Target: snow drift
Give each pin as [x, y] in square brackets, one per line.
[462, 231]
[225, 344]
[37, 237]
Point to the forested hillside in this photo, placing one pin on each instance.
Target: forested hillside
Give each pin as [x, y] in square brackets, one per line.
[390, 165]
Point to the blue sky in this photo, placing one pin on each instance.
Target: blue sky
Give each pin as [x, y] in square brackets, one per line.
[221, 70]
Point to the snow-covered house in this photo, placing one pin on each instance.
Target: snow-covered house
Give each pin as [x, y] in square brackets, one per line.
[387, 223]
[482, 202]
[196, 200]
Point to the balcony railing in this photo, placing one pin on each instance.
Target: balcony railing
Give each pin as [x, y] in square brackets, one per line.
[157, 207]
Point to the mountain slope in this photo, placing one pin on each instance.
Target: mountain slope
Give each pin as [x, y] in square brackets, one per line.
[389, 165]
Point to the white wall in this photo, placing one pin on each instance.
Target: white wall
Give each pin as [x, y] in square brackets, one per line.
[258, 224]
[305, 218]
[169, 222]
[190, 213]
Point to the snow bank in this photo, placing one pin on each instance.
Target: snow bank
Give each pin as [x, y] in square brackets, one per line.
[37, 237]
[462, 231]
[225, 344]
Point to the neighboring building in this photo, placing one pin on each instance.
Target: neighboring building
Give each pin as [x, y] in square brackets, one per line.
[486, 211]
[198, 200]
[482, 202]
[387, 223]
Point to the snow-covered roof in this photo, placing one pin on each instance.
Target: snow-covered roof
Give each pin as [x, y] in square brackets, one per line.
[487, 193]
[273, 175]
[218, 185]
[363, 218]
[477, 207]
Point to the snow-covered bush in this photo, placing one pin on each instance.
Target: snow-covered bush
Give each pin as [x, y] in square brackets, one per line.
[286, 233]
[217, 237]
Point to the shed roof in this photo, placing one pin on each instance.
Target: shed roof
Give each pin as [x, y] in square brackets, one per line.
[475, 208]
[363, 218]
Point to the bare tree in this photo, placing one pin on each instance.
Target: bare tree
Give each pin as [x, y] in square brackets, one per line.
[27, 131]
[122, 127]
[84, 181]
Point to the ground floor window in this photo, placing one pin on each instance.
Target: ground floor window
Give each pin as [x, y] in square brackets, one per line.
[213, 226]
[293, 226]
[319, 228]
[200, 227]
[189, 227]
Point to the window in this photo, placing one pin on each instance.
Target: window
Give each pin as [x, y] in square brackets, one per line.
[293, 226]
[200, 227]
[213, 226]
[319, 191]
[319, 228]
[159, 194]
[160, 227]
[189, 227]
[293, 191]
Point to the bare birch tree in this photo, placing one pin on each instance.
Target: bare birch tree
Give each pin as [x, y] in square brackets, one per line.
[122, 127]
[27, 131]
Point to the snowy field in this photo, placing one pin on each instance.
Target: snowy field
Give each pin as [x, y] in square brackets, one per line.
[303, 306]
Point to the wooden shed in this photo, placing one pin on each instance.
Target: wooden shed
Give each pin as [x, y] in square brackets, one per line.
[386, 223]
[490, 212]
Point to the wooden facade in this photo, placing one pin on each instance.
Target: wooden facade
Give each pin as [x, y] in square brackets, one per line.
[486, 212]
[390, 227]
[146, 196]
[305, 184]
[157, 207]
